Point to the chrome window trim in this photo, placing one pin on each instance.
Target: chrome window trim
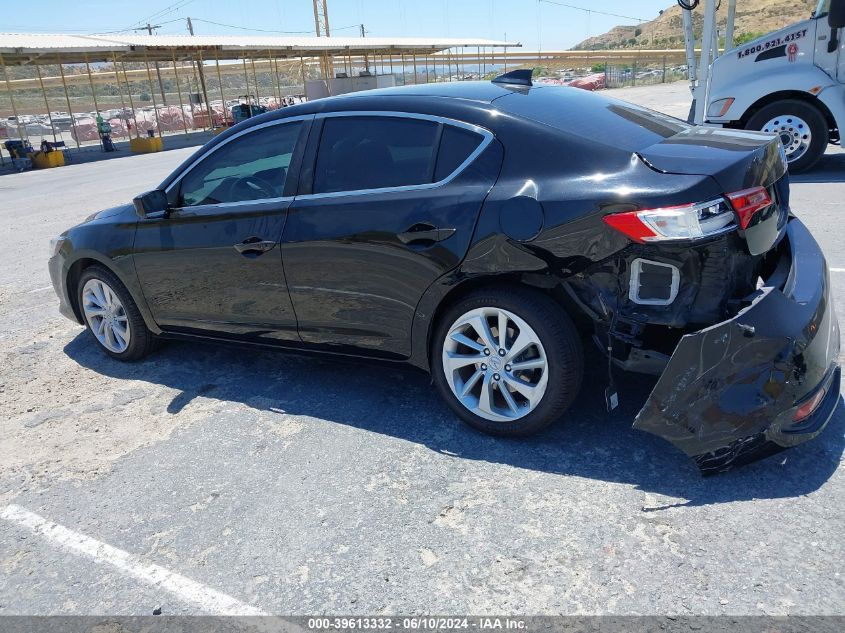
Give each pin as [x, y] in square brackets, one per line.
[487, 138]
[231, 205]
[249, 130]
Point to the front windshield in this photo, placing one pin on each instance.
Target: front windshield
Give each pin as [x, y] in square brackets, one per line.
[822, 8]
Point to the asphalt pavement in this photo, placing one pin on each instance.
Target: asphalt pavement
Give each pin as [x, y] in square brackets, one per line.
[207, 479]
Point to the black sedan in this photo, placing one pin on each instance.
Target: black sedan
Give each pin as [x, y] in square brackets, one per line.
[494, 234]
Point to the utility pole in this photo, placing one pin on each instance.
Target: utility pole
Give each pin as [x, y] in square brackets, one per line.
[202, 82]
[321, 28]
[150, 28]
[366, 57]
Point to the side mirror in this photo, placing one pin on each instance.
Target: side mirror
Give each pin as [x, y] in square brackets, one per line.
[836, 14]
[151, 202]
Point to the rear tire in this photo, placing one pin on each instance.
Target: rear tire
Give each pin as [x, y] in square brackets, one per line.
[802, 128]
[527, 387]
[111, 316]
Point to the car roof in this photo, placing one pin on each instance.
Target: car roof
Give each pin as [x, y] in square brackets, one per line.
[565, 109]
[562, 109]
[482, 91]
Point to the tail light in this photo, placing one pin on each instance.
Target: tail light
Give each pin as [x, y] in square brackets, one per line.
[748, 202]
[690, 221]
[806, 410]
[687, 222]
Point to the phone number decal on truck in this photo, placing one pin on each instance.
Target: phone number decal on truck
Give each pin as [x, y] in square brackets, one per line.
[771, 44]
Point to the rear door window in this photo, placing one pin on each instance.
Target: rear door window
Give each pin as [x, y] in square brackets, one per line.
[456, 145]
[373, 152]
[251, 167]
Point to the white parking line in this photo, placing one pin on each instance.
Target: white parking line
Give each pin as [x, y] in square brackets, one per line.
[44, 289]
[837, 270]
[185, 589]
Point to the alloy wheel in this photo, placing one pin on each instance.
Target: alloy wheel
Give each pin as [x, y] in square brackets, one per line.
[794, 132]
[106, 315]
[495, 364]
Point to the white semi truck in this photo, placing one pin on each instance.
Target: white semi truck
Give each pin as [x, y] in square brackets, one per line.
[790, 82]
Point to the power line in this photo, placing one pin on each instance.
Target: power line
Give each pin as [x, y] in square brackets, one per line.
[140, 28]
[572, 6]
[158, 14]
[168, 10]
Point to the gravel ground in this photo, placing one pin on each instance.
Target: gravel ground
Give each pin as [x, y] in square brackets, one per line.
[299, 486]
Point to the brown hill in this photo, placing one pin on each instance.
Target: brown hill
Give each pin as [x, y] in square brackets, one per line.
[753, 18]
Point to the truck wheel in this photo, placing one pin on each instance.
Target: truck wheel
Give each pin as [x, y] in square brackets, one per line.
[508, 361]
[801, 127]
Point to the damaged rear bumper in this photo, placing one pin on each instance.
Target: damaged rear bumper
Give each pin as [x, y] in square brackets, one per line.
[730, 392]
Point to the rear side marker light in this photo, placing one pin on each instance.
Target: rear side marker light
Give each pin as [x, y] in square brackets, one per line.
[653, 283]
[748, 202]
[806, 410]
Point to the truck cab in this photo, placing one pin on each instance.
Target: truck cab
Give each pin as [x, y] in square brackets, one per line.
[790, 82]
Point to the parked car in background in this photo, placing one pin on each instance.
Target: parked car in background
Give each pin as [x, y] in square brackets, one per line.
[61, 121]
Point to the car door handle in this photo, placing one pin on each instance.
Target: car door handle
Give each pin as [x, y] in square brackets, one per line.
[424, 232]
[254, 246]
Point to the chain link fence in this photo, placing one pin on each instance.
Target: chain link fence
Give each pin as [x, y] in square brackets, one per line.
[634, 74]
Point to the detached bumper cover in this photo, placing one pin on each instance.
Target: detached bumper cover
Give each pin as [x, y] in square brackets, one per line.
[729, 392]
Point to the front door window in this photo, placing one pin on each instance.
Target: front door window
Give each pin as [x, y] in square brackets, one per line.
[251, 167]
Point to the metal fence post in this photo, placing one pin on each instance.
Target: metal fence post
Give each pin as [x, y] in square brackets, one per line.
[67, 100]
[119, 91]
[222, 97]
[152, 94]
[91, 83]
[12, 100]
[131, 103]
[179, 92]
[46, 102]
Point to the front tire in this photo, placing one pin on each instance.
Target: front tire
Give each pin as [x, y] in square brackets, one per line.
[111, 316]
[802, 129]
[509, 362]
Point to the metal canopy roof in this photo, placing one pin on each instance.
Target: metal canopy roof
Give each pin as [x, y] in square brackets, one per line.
[44, 48]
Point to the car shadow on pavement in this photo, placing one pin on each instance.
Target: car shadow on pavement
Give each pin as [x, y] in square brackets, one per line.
[830, 168]
[401, 402]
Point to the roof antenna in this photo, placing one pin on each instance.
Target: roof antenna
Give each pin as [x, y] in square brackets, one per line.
[519, 77]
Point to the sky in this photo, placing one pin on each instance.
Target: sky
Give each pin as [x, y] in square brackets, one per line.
[537, 24]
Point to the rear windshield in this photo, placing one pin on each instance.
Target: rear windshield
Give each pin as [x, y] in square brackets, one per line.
[607, 121]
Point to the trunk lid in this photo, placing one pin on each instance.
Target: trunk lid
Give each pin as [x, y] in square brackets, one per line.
[737, 160]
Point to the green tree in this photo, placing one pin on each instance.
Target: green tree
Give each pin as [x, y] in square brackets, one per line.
[743, 38]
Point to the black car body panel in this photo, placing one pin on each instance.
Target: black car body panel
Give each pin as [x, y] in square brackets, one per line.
[105, 238]
[343, 272]
[194, 278]
[732, 385]
[736, 160]
[353, 280]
